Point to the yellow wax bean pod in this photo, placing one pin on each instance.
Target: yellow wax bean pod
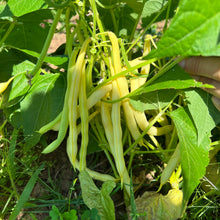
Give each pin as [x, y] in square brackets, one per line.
[123, 88]
[107, 124]
[92, 100]
[4, 85]
[117, 132]
[73, 100]
[83, 105]
[115, 115]
[145, 69]
[98, 94]
[64, 115]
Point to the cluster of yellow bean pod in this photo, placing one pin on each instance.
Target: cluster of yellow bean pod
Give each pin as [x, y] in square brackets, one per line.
[105, 101]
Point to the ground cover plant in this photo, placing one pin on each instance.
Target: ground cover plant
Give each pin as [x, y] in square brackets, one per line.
[114, 95]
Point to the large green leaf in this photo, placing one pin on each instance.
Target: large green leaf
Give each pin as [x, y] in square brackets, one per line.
[43, 102]
[162, 90]
[175, 78]
[194, 156]
[21, 7]
[98, 199]
[193, 31]
[30, 31]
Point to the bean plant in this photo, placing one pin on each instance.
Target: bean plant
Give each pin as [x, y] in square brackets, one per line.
[114, 86]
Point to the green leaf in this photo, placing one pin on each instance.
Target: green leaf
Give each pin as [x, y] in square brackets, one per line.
[153, 7]
[208, 117]
[98, 199]
[19, 85]
[194, 156]
[55, 213]
[55, 60]
[153, 100]
[5, 13]
[21, 7]
[175, 78]
[43, 102]
[25, 194]
[121, 18]
[30, 31]
[72, 215]
[8, 59]
[90, 215]
[193, 31]
[152, 205]
[162, 90]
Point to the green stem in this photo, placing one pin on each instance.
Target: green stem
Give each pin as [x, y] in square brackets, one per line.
[106, 6]
[99, 23]
[167, 15]
[47, 43]
[11, 27]
[68, 32]
[135, 26]
[115, 25]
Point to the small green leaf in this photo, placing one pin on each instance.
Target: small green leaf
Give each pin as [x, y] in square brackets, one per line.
[91, 215]
[55, 213]
[98, 199]
[151, 7]
[21, 7]
[193, 31]
[72, 215]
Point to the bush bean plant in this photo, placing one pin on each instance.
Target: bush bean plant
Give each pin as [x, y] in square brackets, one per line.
[114, 86]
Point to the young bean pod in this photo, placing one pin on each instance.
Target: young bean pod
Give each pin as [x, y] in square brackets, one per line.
[64, 117]
[73, 101]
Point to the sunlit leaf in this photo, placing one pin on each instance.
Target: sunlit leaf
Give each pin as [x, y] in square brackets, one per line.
[194, 157]
[193, 31]
[21, 7]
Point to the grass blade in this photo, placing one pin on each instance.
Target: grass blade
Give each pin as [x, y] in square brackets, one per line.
[25, 194]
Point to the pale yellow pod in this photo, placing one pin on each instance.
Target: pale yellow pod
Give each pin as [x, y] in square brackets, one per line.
[4, 85]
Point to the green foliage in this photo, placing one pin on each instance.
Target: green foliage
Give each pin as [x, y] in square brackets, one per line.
[22, 7]
[55, 214]
[25, 194]
[95, 198]
[192, 32]
[169, 96]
